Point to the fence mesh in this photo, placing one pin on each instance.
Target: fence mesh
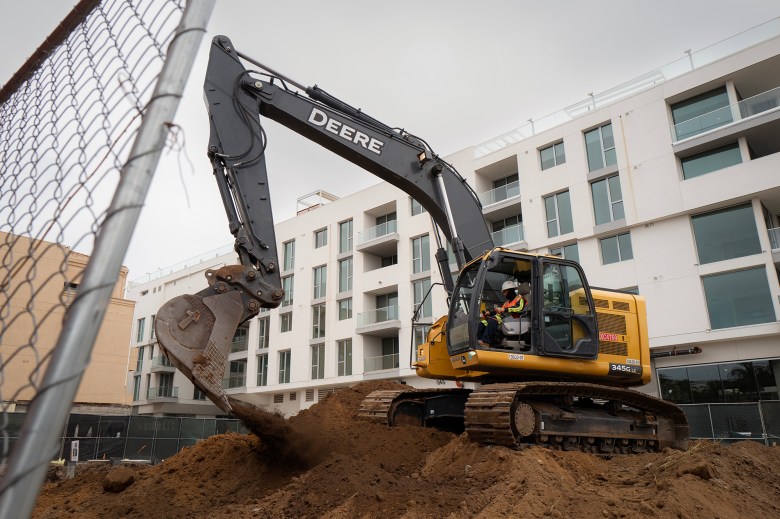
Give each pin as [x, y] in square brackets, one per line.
[68, 119]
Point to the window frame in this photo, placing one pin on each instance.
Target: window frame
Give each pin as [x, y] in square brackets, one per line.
[345, 283]
[554, 147]
[555, 197]
[620, 251]
[344, 361]
[346, 245]
[320, 281]
[317, 361]
[612, 203]
[288, 248]
[421, 254]
[285, 366]
[285, 319]
[602, 148]
[318, 322]
[320, 237]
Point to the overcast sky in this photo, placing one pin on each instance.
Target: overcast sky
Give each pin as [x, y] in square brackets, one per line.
[454, 72]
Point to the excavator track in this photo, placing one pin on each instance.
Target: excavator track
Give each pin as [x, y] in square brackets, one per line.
[558, 415]
[574, 416]
[422, 407]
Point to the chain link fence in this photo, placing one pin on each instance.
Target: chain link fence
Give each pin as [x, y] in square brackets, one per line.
[82, 126]
[757, 421]
[136, 438]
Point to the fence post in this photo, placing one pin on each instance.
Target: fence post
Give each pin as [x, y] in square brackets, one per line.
[712, 425]
[37, 444]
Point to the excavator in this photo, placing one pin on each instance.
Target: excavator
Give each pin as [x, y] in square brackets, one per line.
[559, 373]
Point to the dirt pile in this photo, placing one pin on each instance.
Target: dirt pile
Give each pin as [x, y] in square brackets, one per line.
[356, 469]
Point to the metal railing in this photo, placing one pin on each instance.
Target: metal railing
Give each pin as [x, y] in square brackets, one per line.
[234, 381]
[380, 363]
[678, 67]
[757, 421]
[507, 235]
[500, 194]
[378, 231]
[732, 113]
[161, 361]
[389, 313]
[162, 392]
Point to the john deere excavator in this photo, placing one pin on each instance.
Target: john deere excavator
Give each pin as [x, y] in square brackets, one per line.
[559, 373]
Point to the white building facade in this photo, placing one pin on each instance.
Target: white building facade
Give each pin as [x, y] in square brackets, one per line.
[668, 186]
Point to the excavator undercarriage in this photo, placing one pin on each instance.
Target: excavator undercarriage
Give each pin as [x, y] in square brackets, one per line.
[559, 415]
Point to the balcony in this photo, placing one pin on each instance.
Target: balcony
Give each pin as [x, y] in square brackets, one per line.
[501, 201]
[774, 239]
[382, 322]
[155, 393]
[511, 237]
[381, 240]
[233, 381]
[732, 114]
[162, 364]
[380, 363]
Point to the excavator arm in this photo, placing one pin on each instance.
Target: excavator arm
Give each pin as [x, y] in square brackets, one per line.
[196, 330]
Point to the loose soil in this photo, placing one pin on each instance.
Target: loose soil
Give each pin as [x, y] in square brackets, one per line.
[337, 466]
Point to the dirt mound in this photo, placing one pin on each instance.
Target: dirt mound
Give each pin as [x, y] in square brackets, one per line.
[357, 469]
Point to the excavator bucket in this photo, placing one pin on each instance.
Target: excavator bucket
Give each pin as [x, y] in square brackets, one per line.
[196, 333]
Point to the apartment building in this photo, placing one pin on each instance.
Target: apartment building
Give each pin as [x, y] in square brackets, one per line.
[666, 186]
[42, 278]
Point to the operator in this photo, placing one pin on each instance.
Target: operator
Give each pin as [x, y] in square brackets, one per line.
[490, 322]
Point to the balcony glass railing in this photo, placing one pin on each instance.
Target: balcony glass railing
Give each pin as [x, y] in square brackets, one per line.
[379, 315]
[379, 363]
[237, 380]
[722, 116]
[774, 238]
[163, 361]
[239, 345]
[507, 235]
[377, 231]
[500, 194]
[162, 392]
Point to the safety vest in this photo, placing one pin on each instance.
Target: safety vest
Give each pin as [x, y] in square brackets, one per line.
[514, 306]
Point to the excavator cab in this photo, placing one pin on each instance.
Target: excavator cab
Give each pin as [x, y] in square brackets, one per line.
[558, 318]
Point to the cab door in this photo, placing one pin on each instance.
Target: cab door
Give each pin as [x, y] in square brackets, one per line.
[568, 324]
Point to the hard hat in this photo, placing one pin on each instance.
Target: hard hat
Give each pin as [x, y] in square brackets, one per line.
[508, 285]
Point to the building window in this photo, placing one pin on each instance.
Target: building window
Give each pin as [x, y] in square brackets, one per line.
[284, 367]
[320, 281]
[508, 230]
[600, 146]
[386, 307]
[318, 362]
[421, 254]
[389, 353]
[318, 321]
[345, 236]
[711, 160]
[285, 321]
[344, 357]
[136, 388]
[197, 394]
[239, 342]
[387, 261]
[139, 333]
[236, 374]
[417, 207]
[558, 210]
[345, 309]
[287, 286]
[721, 383]
[385, 224]
[289, 255]
[264, 331]
[262, 370]
[738, 298]
[726, 234]
[345, 275]
[569, 252]
[421, 334]
[139, 363]
[420, 290]
[607, 200]
[552, 156]
[320, 237]
[701, 113]
[616, 248]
